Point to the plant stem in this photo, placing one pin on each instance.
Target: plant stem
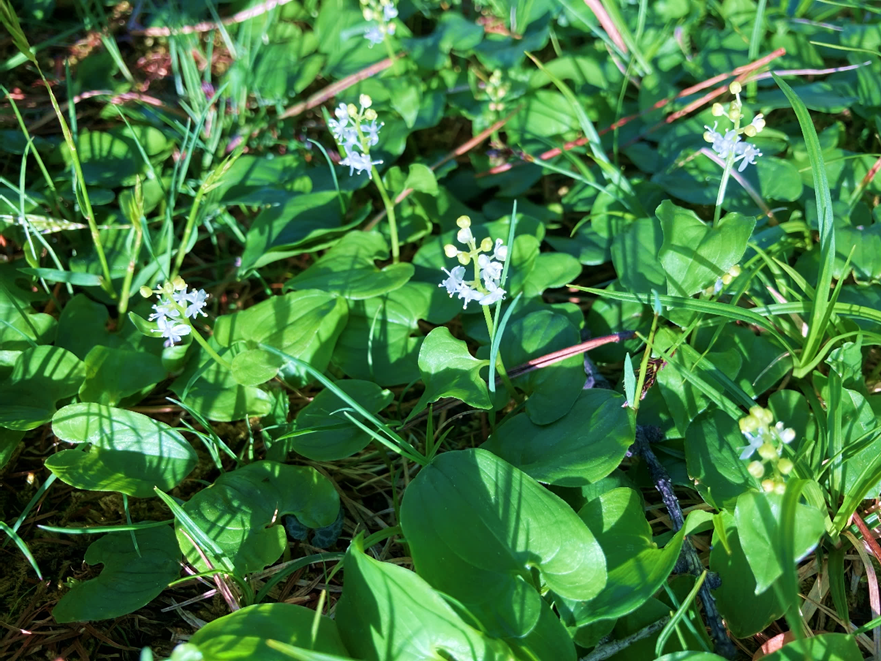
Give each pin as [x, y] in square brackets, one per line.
[500, 365]
[643, 367]
[188, 231]
[207, 347]
[130, 271]
[390, 212]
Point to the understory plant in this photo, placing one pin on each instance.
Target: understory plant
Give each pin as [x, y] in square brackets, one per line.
[532, 331]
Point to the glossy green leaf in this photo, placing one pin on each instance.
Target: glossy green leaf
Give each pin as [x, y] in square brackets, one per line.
[40, 377]
[389, 613]
[759, 525]
[115, 374]
[242, 635]
[242, 510]
[322, 432]
[552, 390]
[746, 609]
[449, 370]
[635, 257]
[582, 447]
[295, 226]
[713, 444]
[694, 254]
[348, 269]
[131, 578]
[254, 367]
[637, 568]
[215, 394]
[822, 647]
[128, 452]
[304, 324]
[478, 528]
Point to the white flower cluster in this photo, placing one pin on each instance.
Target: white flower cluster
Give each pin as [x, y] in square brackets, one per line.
[356, 131]
[768, 440]
[731, 143]
[175, 304]
[380, 14]
[485, 288]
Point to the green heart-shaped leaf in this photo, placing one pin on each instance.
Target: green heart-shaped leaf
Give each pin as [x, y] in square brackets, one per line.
[129, 452]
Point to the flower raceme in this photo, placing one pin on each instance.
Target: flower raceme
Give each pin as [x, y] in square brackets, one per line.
[730, 143]
[486, 258]
[356, 131]
[175, 307]
[380, 14]
[767, 440]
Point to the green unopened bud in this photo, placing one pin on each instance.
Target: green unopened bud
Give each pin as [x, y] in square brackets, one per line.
[450, 250]
[463, 221]
[352, 109]
[735, 88]
[748, 424]
[464, 258]
[365, 100]
[768, 485]
[486, 245]
[785, 466]
[718, 110]
[179, 283]
[756, 469]
[146, 292]
[370, 114]
[767, 451]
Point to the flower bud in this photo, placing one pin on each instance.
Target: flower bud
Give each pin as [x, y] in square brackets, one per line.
[787, 436]
[735, 271]
[735, 88]
[767, 451]
[718, 110]
[367, 13]
[179, 283]
[785, 466]
[708, 136]
[768, 485]
[734, 113]
[486, 245]
[726, 279]
[748, 424]
[464, 258]
[464, 235]
[146, 292]
[779, 487]
[463, 221]
[756, 469]
[370, 115]
[365, 101]
[450, 250]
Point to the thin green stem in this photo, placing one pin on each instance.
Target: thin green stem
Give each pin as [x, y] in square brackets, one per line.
[211, 352]
[500, 365]
[390, 212]
[188, 231]
[643, 367]
[130, 271]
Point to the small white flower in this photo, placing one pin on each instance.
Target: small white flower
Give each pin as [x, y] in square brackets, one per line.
[374, 35]
[464, 235]
[342, 113]
[389, 12]
[495, 293]
[785, 435]
[746, 154]
[171, 330]
[500, 252]
[166, 309]
[180, 296]
[468, 293]
[455, 281]
[359, 162]
[196, 300]
[371, 132]
[755, 442]
[722, 144]
[490, 271]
